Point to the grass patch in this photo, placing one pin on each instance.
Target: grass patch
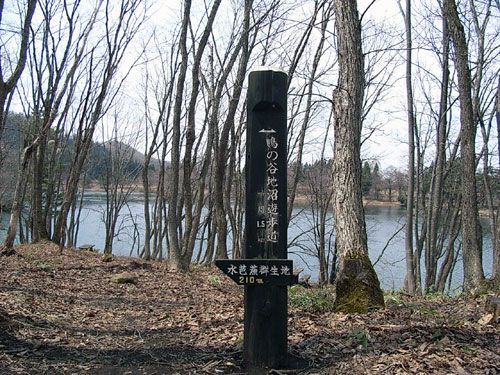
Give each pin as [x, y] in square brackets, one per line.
[42, 266]
[394, 299]
[428, 311]
[214, 280]
[467, 349]
[311, 299]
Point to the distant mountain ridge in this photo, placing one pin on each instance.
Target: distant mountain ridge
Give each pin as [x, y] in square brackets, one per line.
[125, 149]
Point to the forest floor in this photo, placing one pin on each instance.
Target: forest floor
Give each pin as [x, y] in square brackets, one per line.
[66, 314]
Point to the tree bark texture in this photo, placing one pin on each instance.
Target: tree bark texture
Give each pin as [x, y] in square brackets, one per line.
[472, 259]
[357, 286]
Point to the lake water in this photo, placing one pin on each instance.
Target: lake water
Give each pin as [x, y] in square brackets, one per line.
[382, 223]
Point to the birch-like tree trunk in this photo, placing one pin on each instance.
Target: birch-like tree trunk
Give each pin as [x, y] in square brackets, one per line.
[357, 286]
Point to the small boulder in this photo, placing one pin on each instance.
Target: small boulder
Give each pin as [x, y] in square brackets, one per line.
[86, 247]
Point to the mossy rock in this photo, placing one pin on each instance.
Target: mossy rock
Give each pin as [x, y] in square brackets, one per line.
[124, 278]
[357, 289]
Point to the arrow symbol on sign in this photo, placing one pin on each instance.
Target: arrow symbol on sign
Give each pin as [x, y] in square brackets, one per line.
[267, 131]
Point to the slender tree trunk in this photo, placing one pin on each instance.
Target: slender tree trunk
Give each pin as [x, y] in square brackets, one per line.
[117, 41]
[175, 248]
[191, 223]
[307, 116]
[221, 158]
[304, 40]
[491, 196]
[147, 216]
[410, 280]
[449, 258]
[145, 172]
[39, 224]
[496, 245]
[3, 99]
[419, 230]
[472, 260]
[15, 212]
[357, 286]
[435, 204]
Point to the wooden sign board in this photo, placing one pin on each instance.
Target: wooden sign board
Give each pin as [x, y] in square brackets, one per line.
[265, 272]
[259, 271]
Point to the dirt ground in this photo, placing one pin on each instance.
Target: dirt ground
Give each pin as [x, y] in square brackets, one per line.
[67, 314]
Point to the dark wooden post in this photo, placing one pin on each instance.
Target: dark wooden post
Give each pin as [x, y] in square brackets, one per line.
[266, 311]
[265, 270]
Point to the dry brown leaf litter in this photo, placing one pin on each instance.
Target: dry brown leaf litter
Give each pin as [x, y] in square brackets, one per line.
[64, 314]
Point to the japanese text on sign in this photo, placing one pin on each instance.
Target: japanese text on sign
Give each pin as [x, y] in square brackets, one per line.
[268, 228]
[258, 270]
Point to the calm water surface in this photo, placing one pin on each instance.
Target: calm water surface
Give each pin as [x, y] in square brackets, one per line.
[382, 224]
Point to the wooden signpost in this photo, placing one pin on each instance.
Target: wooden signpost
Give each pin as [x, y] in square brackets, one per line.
[265, 271]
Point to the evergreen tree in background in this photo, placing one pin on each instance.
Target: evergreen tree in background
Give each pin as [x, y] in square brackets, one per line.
[366, 179]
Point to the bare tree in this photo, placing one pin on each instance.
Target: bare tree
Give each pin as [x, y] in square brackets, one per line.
[119, 31]
[472, 258]
[53, 83]
[326, 16]
[221, 158]
[485, 101]
[216, 86]
[192, 221]
[62, 77]
[174, 214]
[437, 181]
[357, 286]
[163, 99]
[496, 247]
[320, 201]
[118, 182]
[8, 84]
[410, 279]
[181, 245]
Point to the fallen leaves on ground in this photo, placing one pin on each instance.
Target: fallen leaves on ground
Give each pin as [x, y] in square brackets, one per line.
[62, 313]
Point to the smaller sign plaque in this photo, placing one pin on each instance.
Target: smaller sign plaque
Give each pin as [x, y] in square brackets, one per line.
[259, 271]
